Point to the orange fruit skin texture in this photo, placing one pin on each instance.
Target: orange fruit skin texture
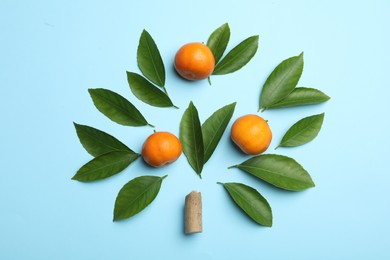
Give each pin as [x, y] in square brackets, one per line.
[161, 149]
[251, 134]
[194, 61]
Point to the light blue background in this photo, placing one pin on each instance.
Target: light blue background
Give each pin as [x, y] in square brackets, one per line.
[51, 52]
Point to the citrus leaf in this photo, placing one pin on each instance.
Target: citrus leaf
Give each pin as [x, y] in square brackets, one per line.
[105, 165]
[149, 60]
[282, 81]
[214, 127]
[117, 108]
[251, 202]
[97, 142]
[278, 170]
[302, 96]
[303, 131]
[238, 56]
[147, 92]
[218, 41]
[191, 138]
[136, 195]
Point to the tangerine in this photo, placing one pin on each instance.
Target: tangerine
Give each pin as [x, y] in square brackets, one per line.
[252, 134]
[161, 149]
[194, 61]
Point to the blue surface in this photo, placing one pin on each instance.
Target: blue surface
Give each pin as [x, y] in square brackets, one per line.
[53, 51]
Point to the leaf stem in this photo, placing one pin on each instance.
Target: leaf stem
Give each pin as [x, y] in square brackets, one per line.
[233, 166]
[175, 106]
[209, 80]
[220, 183]
[277, 147]
[151, 125]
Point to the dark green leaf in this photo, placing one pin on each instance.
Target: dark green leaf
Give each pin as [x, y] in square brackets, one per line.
[105, 165]
[136, 195]
[218, 41]
[149, 59]
[302, 96]
[251, 202]
[303, 131]
[117, 108]
[147, 92]
[97, 142]
[191, 138]
[282, 81]
[238, 56]
[214, 127]
[278, 170]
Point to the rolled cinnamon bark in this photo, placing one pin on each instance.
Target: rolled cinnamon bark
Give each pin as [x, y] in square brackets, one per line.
[193, 213]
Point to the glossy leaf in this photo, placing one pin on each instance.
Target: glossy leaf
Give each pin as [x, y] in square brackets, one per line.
[302, 96]
[191, 138]
[149, 59]
[97, 142]
[147, 92]
[218, 41]
[238, 57]
[251, 202]
[214, 127]
[303, 131]
[136, 195]
[117, 108]
[278, 170]
[105, 165]
[282, 81]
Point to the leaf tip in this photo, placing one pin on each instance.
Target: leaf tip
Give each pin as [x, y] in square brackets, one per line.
[268, 224]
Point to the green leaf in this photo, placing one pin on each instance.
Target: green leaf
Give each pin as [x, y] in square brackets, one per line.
[282, 81]
[302, 96]
[105, 165]
[303, 131]
[136, 195]
[238, 57]
[117, 108]
[251, 202]
[149, 59]
[214, 127]
[97, 142]
[147, 92]
[191, 138]
[278, 170]
[218, 41]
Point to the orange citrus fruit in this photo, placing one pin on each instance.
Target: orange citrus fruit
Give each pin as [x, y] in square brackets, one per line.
[251, 134]
[161, 148]
[194, 61]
